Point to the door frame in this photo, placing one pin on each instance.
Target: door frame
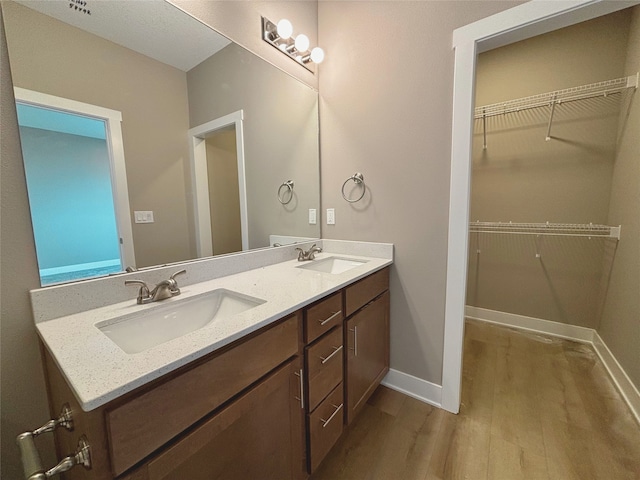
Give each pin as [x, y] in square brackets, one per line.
[113, 121]
[519, 23]
[200, 180]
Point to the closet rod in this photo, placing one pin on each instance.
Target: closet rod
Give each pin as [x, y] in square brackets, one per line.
[552, 229]
[583, 92]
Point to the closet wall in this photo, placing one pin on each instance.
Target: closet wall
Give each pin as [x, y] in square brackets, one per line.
[520, 177]
[620, 325]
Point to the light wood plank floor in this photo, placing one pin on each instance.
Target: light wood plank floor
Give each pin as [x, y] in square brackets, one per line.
[533, 407]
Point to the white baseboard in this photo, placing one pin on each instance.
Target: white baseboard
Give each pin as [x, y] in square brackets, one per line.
[414, 387]
[532, 324]
[571, 332]
[625, 386]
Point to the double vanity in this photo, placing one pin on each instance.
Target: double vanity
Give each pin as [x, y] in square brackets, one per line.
[252, 371]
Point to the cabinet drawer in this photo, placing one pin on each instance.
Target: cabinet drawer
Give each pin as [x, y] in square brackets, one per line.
[322, 317]
[324, 366]
[148, 421]
[325, 426]
[365, 290]
[250, 438]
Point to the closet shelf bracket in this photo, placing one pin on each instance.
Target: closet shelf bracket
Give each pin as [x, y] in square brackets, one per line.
[553, 109]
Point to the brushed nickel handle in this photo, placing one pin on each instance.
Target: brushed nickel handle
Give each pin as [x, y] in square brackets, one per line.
[65, 419]
[335, 350]
[324, 322]
[355, 340]
[337, 409]
[32, 465]
[301, 397]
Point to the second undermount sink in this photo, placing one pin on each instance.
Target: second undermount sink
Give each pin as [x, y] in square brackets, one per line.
[139, 332]
[333, 265]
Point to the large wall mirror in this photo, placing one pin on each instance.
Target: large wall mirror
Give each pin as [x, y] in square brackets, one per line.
[151, 139]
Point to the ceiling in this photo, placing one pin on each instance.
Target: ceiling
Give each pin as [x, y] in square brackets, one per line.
[154, 28]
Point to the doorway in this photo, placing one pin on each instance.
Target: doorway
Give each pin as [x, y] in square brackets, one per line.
[218, 175]
[519, 23]
[78, 221]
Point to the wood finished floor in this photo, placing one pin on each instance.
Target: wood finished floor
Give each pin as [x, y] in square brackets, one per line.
[533, 407]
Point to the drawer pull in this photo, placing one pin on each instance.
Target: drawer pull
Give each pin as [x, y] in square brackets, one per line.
[355, 340]
[335, 350]
[324, 322]
[301, 397]
[337, 409]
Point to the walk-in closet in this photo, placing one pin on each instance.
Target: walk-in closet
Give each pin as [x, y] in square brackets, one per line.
[553, 312]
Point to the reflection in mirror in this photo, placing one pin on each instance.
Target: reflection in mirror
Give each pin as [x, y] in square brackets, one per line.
[168, 77]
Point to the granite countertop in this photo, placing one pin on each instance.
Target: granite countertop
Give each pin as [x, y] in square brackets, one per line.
[98, 371]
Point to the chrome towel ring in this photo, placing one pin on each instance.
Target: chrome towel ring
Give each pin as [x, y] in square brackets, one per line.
[281, 194]
[358, 179]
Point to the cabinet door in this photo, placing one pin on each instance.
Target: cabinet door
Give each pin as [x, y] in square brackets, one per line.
[256, 436]
[368, 352]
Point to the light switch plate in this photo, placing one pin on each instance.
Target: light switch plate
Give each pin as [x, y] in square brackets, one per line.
[312, 216]
[331, 216]
[143, 216]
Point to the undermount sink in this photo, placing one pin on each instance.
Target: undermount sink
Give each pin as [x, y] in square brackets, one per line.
[333, 265]
[139, 332]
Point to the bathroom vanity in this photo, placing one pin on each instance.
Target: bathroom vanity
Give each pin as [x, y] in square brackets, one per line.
[266, 401]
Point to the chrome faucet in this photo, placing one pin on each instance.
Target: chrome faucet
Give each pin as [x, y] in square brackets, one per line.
[309, 254]
[164, 289]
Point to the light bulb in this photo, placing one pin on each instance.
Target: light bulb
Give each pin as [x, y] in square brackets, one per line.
[302, 43]
[284, 29]
[317, 55]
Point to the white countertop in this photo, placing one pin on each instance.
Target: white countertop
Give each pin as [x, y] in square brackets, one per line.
[98, 371]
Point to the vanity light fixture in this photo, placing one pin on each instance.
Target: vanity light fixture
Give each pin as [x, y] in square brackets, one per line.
[281, 36]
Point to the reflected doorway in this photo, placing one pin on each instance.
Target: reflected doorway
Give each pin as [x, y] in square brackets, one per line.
[68, 160]
[224, 194]
[218, 170]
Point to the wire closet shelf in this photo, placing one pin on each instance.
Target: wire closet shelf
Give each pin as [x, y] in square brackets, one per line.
[552, 229]
[582, 92]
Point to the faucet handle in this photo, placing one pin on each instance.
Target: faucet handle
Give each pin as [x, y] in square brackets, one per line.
[173, 284]
[179, 272]
[143, 293]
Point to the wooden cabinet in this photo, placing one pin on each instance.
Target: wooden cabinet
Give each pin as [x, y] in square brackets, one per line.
[139, 427]
[367, 333]
[345, 360]
[270, 405]
[324, 373]
[255, 436]
[183, 418]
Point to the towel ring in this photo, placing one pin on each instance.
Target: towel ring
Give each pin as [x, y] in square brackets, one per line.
[289, 185]
[358, 179]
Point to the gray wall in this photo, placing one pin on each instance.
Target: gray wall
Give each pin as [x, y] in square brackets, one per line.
[620, 325]
[152, 97]
[224, 197]
[22, 388]
[386, 102]
[280, 136]
[520, 177]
